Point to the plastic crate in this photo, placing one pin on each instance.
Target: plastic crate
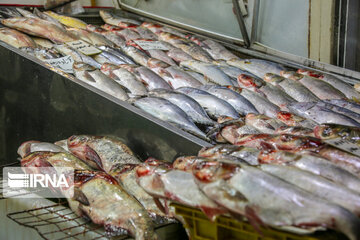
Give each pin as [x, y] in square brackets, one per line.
[226, 228]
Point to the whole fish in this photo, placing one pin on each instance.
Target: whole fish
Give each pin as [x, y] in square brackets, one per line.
[234, 72]
[157, 29]
[344, 87]
[187, 104]
[217, 51]
[42, 54]
[139, 56]
[293, 88]
[118, 53]
[181, 78]
[161, 55]
[128, 34]
[42, 42]
[124, 78]
[77, 56]
[9, 13]
[145, 33]
[320, 88]
[111, 36]
[115, 20]
[40, 28]
[257, 67]
[66, 20]
[108, 57]
[352, 106]
[214, 106]
[164, 110]
[246, 190]
[178, 55]
[16, 38]
[335, 108]
[320, 114]
[298, 131]
[26, 13]
[293, 120]
[336, 131]
[36, 146]
[261, 104]
[230, 131]
[237, 101]
[187, 46]
[107, 203]
[319, 186]
[99, 80]
[101, 152]
[91, 37]
[263, 123]
[48, 18]
[159, 67]
[211, 71]
[313, 164]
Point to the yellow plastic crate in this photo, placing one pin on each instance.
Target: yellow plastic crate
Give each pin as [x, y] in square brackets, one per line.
[226, 228]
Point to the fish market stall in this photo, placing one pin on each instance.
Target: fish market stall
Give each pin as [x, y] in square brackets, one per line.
[178, 125]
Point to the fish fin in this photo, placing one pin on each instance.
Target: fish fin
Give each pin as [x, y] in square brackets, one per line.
[91, 155]
[254, 219]
[80, 197]
[212, 213]
[161, 207]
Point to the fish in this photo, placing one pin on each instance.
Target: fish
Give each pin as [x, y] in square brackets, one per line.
[145, 33]
[262, 105]
[237, 101]
[246, 190]
[181, 78]
[111, 36]
[313, 164]
[128, 34]
[124, 78]
[97, 79]
[108, 57]
[192, 108]
[298, 131]
[187, 46]
[149, 78]
[126, 176]
[26, 13]
[112, 19]
[320, 88]
[214, 106]
[157, 29]
[217, 51]
[212, 72]
[258, 67]
[63, 144]
[76, 55]
[159, 67]
[166, 111]
[337, 131]
[48, 18]
[293, 88]
[118, 53]
[101, 152]
[178, 55]
[263, 123]
[201, 78]
[337, 83]
[319, 186]
[16, 38]
[335, 108]
[250, 155]
[321, 114]
[107, 203]
[233, 72]
[91, 37]
[9, 13]
[352, 106]
[37, 146]
[42, 54]
[39, 28]
[294, 120]
[42, 42]
[137, 55]
[67, 21]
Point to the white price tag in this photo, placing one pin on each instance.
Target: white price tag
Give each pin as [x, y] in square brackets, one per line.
[345, 145]
[84, 47]
[151, 45]
[64, 63]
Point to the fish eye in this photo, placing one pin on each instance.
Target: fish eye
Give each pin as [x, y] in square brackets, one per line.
[327, 132]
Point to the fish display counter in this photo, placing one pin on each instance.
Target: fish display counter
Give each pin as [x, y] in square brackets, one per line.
[150, 113]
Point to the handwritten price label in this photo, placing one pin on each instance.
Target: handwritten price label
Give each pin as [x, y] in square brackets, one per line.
[151, 45]
[64, 63]
[345, 145]
[84, 47]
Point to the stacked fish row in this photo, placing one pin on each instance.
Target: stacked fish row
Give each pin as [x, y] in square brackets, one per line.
[189, 82]
[303, 190]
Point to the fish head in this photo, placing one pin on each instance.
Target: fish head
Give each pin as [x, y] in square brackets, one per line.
[330, 131]
[218, 150]
[293, 143]
[291, 75]
[186, 163]
[37, 159]
[254, 140]
[235, 89]
[80, 66]
[210, 171]
[156, 63]
[310, 73]
[246, 81]
[107, 68]
[273, 78]
[277, 157]
[289, 118]
[253, 117]
[25, 148]
[78, 145]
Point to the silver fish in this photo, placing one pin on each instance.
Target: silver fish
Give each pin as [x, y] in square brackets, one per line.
[99, 80]
[262, 105]
[108, 57]
[26, 13]
[77, 56]
[192, 108]
[217, 51]
[15, 38]
[145, 33]
[321, 114]
[237, 101]
[150, 79]
[139, 56]
[293, 120]
[347, 112]
[91, 37]
[257, 67]
[36, 146]
[168, 112]
[211, 71]
[161, 55]
[178, 55]
[181, 78]
[352, 106]
[48, 18]
[263, 123]
[128, 34]
[234, 72]
[116, 20]
[320, 88]
[118, 53]
[214, 106]
[277, 96]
